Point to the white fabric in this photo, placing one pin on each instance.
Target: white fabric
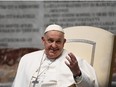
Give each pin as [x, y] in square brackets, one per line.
[58, 74]
[54, 27]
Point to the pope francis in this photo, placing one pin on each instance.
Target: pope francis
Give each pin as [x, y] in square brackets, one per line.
[54, 66]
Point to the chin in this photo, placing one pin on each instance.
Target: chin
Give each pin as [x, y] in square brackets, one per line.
[53, 56]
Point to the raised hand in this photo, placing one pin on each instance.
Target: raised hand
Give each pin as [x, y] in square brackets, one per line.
[73, 64]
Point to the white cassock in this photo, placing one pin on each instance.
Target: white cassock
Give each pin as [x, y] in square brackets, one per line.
[35, 70]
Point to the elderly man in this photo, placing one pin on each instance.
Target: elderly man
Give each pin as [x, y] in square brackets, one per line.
[54, 66]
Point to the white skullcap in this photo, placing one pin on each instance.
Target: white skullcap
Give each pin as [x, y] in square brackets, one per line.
[54, 27]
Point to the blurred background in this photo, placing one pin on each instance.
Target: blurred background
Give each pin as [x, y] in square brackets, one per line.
[22, 24]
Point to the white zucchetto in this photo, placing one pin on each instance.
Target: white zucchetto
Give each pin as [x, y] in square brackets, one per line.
[54, 27]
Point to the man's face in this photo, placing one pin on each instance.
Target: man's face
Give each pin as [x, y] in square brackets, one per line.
[54, 43]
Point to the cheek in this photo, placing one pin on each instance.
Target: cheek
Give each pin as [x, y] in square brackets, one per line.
[61, 46]
[47, 46]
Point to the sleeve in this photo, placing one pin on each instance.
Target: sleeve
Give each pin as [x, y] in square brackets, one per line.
[20, 79]
[88, 77]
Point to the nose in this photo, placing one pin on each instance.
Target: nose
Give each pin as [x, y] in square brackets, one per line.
[54, 44]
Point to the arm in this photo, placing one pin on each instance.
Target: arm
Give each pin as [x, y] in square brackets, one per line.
[19, 80]
[84, 74]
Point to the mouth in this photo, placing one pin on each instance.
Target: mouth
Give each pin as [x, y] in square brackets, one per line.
[53, 53]
[53, 50]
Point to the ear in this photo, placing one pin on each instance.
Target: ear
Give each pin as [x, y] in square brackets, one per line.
[64, 41]
[43, 39]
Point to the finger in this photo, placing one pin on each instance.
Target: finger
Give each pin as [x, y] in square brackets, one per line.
[72, 57]
[67, 64]
[68, 59]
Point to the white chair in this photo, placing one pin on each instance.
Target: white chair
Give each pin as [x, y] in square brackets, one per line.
[93, 44]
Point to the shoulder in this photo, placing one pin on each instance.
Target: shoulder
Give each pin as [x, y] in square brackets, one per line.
[32, 56]
[34, 53]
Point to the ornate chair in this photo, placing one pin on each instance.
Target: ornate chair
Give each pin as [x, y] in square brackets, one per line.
[95, 45]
